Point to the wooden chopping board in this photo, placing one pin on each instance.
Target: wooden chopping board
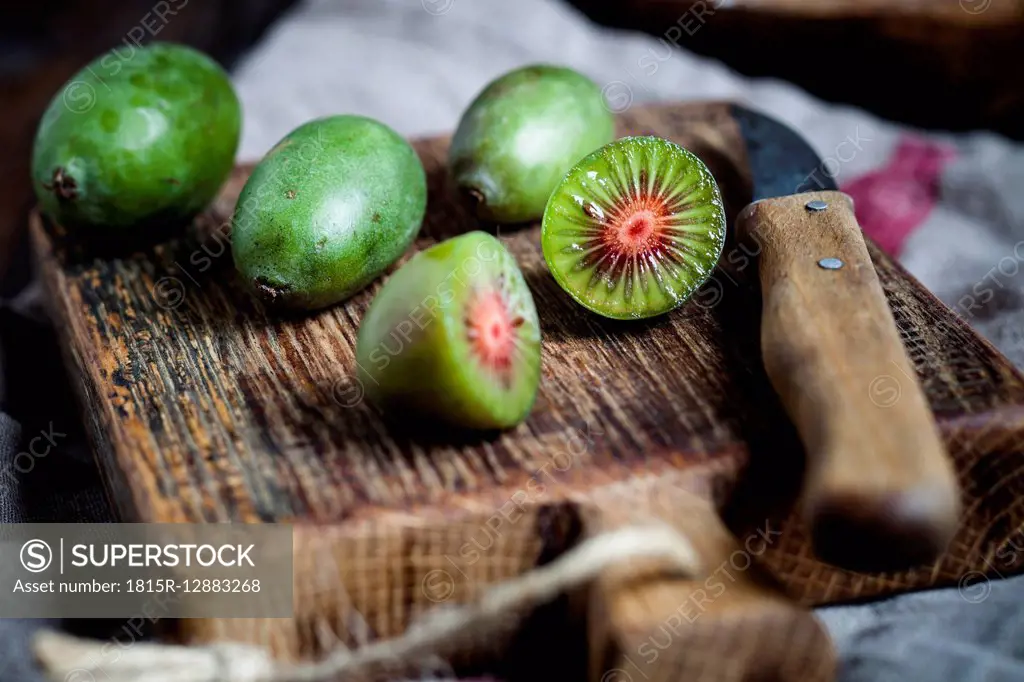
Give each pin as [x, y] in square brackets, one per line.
[205, 409]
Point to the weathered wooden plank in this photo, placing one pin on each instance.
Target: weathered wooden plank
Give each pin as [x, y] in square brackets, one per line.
[205, 408]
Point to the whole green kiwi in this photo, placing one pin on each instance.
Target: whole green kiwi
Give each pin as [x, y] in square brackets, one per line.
[521, 135]
[328, 209]
[139, 137]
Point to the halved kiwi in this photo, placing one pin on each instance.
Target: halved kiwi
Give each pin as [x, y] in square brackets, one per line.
[635, 228]
[454, 334]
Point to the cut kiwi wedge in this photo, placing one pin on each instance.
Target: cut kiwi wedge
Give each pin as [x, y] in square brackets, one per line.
[454, 334]
[635, 228]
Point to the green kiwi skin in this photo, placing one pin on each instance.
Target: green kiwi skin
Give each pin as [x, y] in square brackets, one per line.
[595, 179]
[519, 137]
[412, 351]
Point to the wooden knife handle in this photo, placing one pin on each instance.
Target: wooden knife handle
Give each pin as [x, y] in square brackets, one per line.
[730, 623]
[879, 491]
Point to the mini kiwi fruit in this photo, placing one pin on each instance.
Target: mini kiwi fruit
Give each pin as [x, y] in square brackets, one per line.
[519, 137]
[454, 335]
[635, 228]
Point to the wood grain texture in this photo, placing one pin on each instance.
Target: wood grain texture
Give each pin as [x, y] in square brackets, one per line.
[204, 408]
[647, 623]
[879, 491]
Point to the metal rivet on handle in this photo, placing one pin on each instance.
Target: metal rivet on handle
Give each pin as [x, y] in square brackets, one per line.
[830, 263]
[816, 205]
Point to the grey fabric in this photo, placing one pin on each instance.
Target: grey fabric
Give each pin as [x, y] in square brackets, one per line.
[63, 484]
[15, 635]
[415, 64]
[10, 502]
[46, 469]
[974, 633]
[16, 663]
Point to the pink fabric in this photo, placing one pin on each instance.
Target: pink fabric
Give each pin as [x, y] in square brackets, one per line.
[894, 200]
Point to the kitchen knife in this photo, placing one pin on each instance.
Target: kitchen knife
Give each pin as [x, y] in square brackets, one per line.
[879, 490]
